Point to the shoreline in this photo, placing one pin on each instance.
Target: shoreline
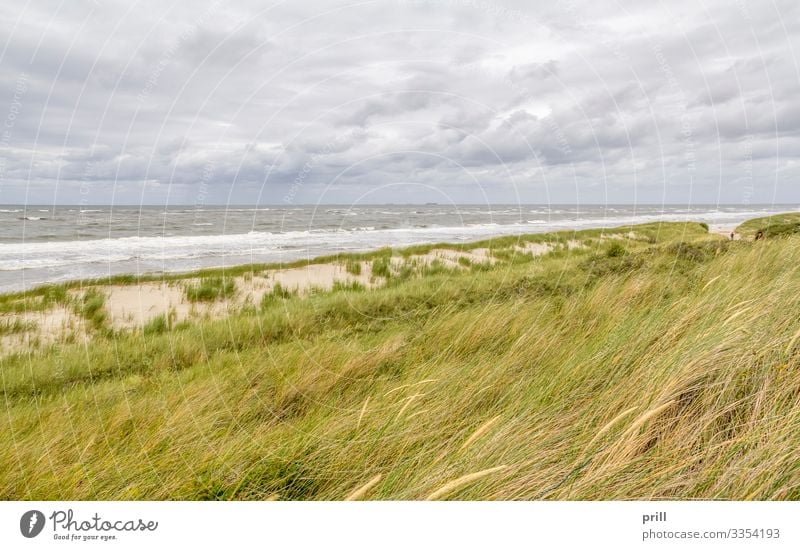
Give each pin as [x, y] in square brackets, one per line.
[53, 313]
[132, 277]
[135, 278]
[110, 259]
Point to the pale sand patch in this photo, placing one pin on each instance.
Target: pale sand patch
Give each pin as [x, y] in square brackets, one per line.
[450, 258]
[52, 321]
[13, 343]
[397, 262]
[251, 289]
[315, 276]
[620, 236]
[47, 327]
[534, 249]
[132, 306]
[574, 245]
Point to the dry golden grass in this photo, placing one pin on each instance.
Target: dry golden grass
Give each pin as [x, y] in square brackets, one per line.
[451, 486]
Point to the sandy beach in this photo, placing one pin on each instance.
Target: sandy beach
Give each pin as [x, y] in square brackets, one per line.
[133, 306]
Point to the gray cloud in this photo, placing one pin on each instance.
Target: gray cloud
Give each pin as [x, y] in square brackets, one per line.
[400, 100]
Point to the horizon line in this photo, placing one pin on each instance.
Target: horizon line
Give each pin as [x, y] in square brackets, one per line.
[283, 205]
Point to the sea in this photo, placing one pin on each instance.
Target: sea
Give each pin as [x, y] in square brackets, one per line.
[46, 244]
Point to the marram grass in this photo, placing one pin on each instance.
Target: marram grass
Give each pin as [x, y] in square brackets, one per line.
[668, 368]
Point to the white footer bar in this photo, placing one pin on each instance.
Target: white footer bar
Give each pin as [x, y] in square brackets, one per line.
[386, 525]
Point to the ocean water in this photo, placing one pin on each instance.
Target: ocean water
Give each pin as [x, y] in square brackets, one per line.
[41, 244]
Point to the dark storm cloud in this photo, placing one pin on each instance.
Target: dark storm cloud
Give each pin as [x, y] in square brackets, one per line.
[303, 101]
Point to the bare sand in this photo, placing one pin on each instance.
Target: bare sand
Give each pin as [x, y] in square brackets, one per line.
[42, 328]
[534, 249]
[318, 276]
[131, 307]
[621, 236]
[453, 258]
[134, 306]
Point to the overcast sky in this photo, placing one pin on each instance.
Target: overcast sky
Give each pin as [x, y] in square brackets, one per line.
[460, 101]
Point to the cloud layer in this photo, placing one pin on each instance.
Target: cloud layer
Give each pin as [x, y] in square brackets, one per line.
[400, 101]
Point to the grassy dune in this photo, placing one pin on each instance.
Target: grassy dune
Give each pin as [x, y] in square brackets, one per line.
[779, 224]
[653, 362]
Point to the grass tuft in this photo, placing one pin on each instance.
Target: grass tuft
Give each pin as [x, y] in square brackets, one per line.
[90, 307]
[381, 267]
[348, 286]
[353, 267]
[277, 295]
[211, 289]
[15, 326]
[615, 250]
[157, 325]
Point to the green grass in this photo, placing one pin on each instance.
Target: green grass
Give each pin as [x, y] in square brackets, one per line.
[157, 325]
[671, 371]
[436, 267]
[90, 307]
[351, 286]
[353, 267]
[39, 299]
[15, 326]
[210, 289]
[616, 250]
[382, 267]
[277, 295]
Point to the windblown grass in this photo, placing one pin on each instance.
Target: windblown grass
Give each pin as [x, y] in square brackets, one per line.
[37, 300]
[671, 371]
[381, 267]
[209, 289]
[277, 295]
[90, 307]
[353, 267]
[157, 325]
[15, 326]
